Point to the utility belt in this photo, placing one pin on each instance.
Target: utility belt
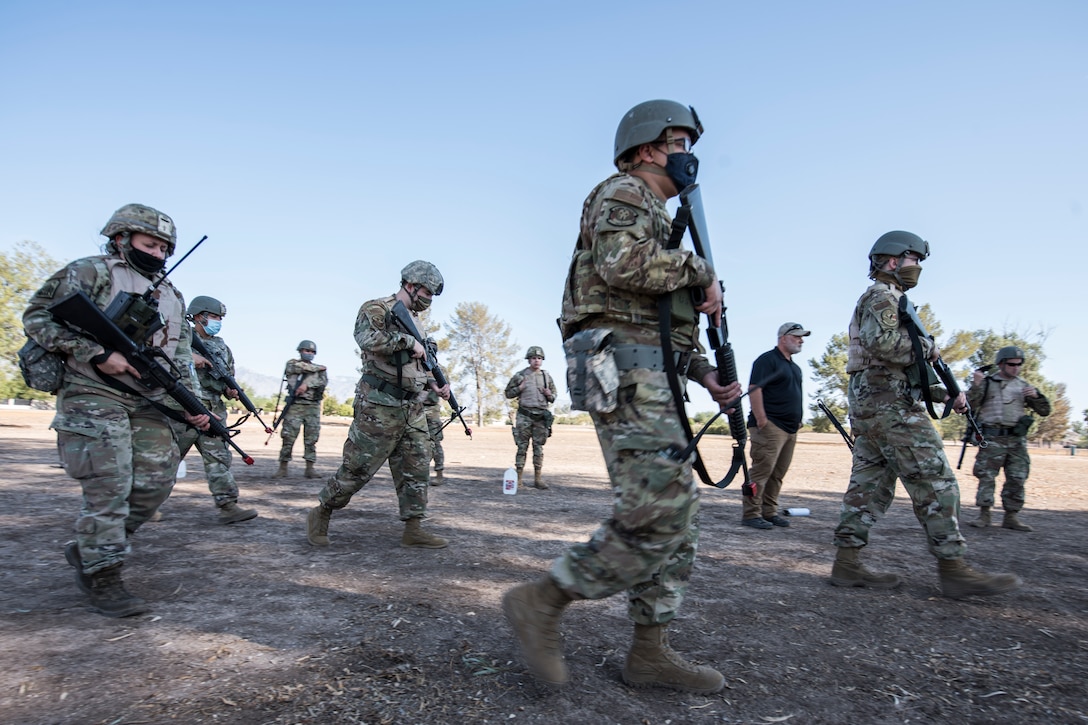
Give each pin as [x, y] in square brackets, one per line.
[993, 430]
[388, 388]
[648, 357]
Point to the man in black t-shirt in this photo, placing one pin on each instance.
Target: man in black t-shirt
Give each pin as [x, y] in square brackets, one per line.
[774, 390]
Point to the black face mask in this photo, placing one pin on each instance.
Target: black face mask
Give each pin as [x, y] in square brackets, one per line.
[146, 263]
[682, 169]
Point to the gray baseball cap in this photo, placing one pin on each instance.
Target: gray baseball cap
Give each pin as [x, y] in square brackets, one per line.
[793, 328]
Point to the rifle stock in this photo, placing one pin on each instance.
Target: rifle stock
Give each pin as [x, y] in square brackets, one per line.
[78, 311]
[430, 362]
[220, 372]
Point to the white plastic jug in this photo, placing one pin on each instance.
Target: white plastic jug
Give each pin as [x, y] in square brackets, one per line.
[510, 481]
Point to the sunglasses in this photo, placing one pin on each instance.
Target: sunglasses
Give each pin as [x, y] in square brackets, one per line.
[1014, 365]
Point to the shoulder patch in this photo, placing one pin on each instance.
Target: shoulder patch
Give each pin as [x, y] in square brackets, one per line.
[49, 289]
[622, 216]
[889, 317]
[627, 196]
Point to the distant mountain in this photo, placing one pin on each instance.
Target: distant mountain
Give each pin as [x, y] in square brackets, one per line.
[341, 387]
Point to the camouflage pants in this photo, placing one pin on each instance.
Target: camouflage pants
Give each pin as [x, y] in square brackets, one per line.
[301, 414]
[1010, 453]
[900, 442]
[379, 433]
[648, 545]
[216, 455]
[435, 422]
[124, 455]
[531, 426]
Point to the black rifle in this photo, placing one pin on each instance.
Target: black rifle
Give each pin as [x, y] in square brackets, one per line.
[78, 311]
[220, 372]
[690, 217]
[917, 330]
[291, 393]
[430, 362]
[838, 426]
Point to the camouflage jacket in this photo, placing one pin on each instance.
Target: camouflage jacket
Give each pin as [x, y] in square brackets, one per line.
[620, 267]
[313, 375]
[533, 396]
[386, 350]
[212, 388]
[102, 278]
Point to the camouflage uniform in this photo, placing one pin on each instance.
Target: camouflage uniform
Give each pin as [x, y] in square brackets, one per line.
[432, 408]
[619, 268]
[998, 414]
[534, 420]
[117, 445]
[214, 451]
[893, 433]
[389, 421]
[305, 411]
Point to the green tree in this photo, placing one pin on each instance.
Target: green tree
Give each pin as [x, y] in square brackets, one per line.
[1054, 428]
[22, 271]
[482, 358]
[829, 372]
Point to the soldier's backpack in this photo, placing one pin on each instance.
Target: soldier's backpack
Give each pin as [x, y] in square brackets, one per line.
[41, 369]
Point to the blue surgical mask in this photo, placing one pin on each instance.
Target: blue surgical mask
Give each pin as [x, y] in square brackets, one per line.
[212, 327]
[306, 356]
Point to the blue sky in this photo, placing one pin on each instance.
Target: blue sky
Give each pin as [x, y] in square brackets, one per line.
[322, 146]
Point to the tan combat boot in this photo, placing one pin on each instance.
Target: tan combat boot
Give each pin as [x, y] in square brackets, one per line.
[229, 513]
[317, 525]
[520, 469]
[310, 472]
[983, 519]
[959, 580]
[848, 571]
[1012, 522]
[652, 663]
[416, 538]
[538, 482]
[533, 611]
[109, 597]
[437, 480]
[282, 472]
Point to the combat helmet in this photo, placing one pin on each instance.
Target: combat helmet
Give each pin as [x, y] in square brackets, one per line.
[535, 351]
[139, 218]
[896, 244]
[307, 345]
[424, 273]
[647, 121]
[203, 303]
[1008, 353]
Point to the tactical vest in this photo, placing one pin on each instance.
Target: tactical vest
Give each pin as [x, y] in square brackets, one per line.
[588, 295]
[115, 277]
[211, 388]
[1004, 403]
[313, 375]
[858, 357]
[531, 396]
[400, 368]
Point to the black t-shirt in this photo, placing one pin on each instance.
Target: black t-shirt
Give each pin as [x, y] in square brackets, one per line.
[782, 399]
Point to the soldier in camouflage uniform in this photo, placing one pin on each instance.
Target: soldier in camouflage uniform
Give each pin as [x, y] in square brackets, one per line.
[308, 380]
[435, 423]
[893, 435]
[1000, 399]
[117, 444]
[389, 423]
[619, 269]
[206, 314]
[535, 391]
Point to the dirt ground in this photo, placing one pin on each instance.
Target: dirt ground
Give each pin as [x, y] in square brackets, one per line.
[250, 624]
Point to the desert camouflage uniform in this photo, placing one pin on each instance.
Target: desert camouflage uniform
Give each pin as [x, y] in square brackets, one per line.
[619, 268]
[305, 411]
[118, 446]
[998, 414]
[432, 408]
[894, 437]
[389, 420]
[534, 420]
[214, 451]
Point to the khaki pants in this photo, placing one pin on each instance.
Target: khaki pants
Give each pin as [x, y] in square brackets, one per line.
[772, 453]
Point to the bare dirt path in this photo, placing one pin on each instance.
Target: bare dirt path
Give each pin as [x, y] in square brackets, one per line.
[249, 624]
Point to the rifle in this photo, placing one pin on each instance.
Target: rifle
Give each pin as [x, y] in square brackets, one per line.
[78, 311]
[838, 426]
[220, 372]
[430, 361]
[916, 329]
[291, 393]
[691, 218]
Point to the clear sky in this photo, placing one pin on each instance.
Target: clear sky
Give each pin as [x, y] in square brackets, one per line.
[321, 146]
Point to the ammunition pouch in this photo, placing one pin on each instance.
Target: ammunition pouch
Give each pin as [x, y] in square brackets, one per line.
[593, 377]
[41, 369]
[1023, 425]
